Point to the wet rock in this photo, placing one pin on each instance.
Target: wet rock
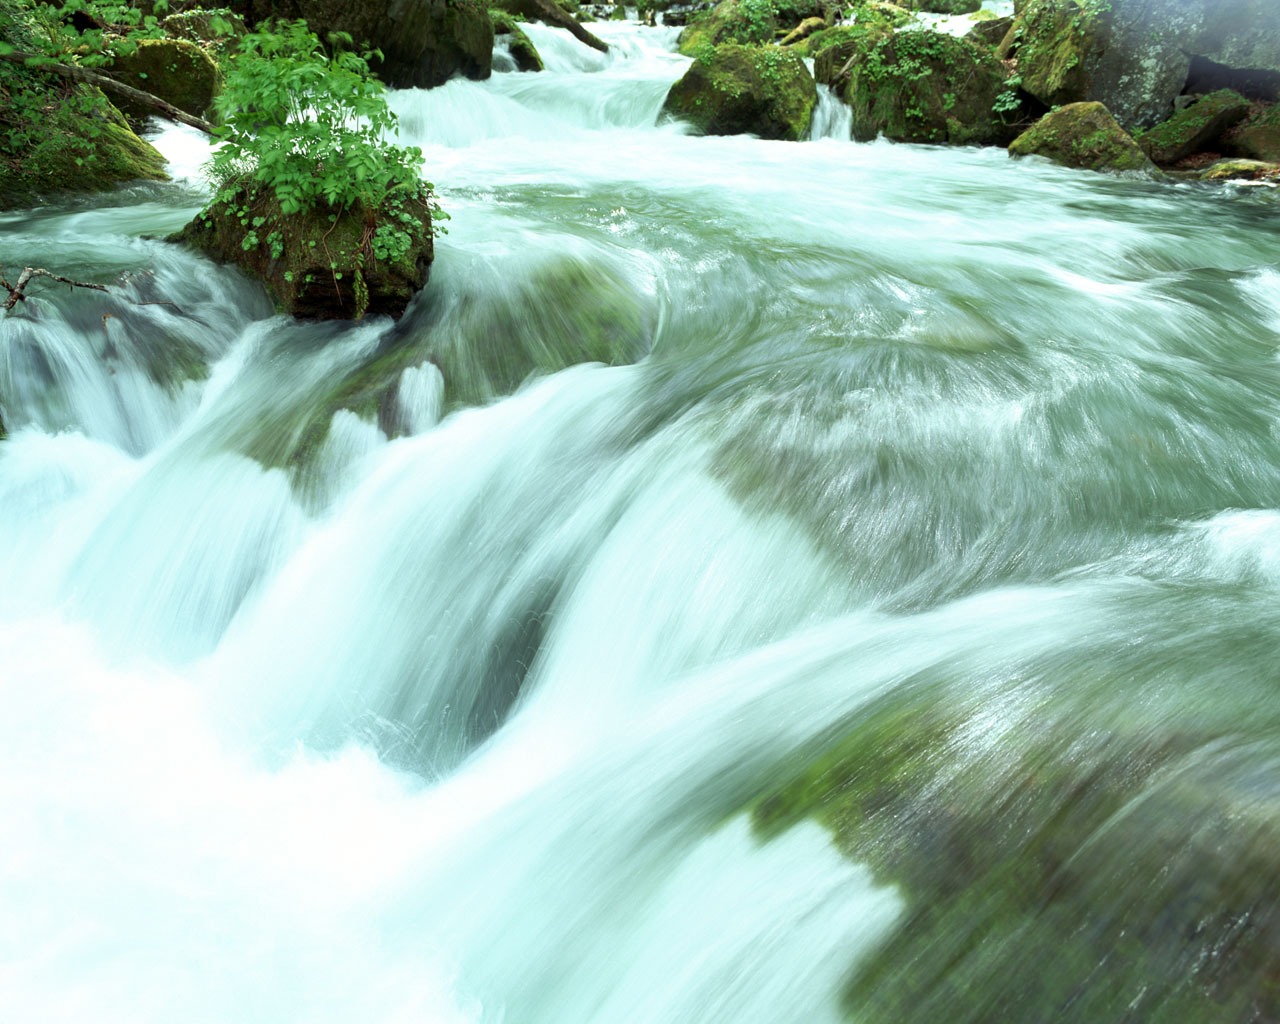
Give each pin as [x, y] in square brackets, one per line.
[918, 86]
[1194, 127]
[736, 90]
[520, 46]
[322, 265]
[990, 31]
[178, 71]
[1241, 170]
[1083, 135]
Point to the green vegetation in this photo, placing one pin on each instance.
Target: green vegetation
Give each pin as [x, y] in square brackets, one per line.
[1083, 135]
[1193, 127]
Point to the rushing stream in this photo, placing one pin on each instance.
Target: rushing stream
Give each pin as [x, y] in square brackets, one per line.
[499, 696]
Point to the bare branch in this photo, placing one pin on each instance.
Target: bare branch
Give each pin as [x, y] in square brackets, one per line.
[16, 290]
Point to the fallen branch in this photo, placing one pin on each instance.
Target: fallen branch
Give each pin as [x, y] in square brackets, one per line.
[105, 82]
[554, 15]
[16, 290]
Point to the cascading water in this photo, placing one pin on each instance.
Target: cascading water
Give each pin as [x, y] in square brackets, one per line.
[887, 635]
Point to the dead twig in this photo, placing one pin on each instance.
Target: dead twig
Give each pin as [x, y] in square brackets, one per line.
[16, 291]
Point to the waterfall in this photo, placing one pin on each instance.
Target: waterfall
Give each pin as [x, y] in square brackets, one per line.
[754, 582]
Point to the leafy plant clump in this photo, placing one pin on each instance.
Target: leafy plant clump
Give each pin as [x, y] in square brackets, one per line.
[310, 125]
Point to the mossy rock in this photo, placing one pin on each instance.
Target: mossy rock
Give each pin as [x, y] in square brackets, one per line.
[748, 22]
[1193, 128]
[1083, 135]
[523, 52]
[1241, 170]
[924, 86]
[1257, 137]
[1056, 39]
[83, 144]
[754, 90]
[217, 30]
[177, 71]
[322, 265]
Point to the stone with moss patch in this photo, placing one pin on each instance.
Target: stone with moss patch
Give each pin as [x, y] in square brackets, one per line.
[921, 86]
[748, 22]
[1258, 137]
[178, 71]
[1194, 127]
[1241, 170]
[755, 90]
[1083, 135]
[80, 143]
[523, 52]
[322, 264]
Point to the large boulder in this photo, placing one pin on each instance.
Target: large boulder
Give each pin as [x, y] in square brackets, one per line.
[1257, 137]
[176, 70]
[1083, 135]
[918, 86]
[1135, 56]
[1194, 127]
[322, 264]
[754, 90]
[424, 43]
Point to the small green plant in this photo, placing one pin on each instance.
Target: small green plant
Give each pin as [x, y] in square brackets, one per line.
[1007, 99]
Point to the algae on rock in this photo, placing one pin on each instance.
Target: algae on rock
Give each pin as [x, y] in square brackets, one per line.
[1193, 127]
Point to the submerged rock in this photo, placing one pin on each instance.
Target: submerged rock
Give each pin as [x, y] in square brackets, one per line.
[1194, 127]
[338, 264]
[756, 90]
[1083, 135]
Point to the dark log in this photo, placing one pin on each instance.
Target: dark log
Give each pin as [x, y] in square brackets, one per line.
[554, 15]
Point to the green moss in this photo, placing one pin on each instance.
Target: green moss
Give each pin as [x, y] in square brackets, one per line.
[523, 52]
[322, 264]
[179, 72]
[758, 90]
[748, 22]
[1083, 135]
[923, 86]
[1054, 39]
[1194, 127]
[80, 144]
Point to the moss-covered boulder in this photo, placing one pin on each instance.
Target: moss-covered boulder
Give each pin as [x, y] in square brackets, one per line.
[752, 90]
[423, 43]
[217, 29]
[1194, 127]
[749, 22]
[322, 264]
[1135, 56]
[989, 31]
[519, 45]
[1258, 136]
[178, 71]
[921, 86]
[58, 140]
[1082, 135]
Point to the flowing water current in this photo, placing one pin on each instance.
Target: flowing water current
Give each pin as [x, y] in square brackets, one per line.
[782, 583]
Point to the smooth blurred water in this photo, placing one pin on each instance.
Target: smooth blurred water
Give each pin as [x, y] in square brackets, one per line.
[456, 714]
